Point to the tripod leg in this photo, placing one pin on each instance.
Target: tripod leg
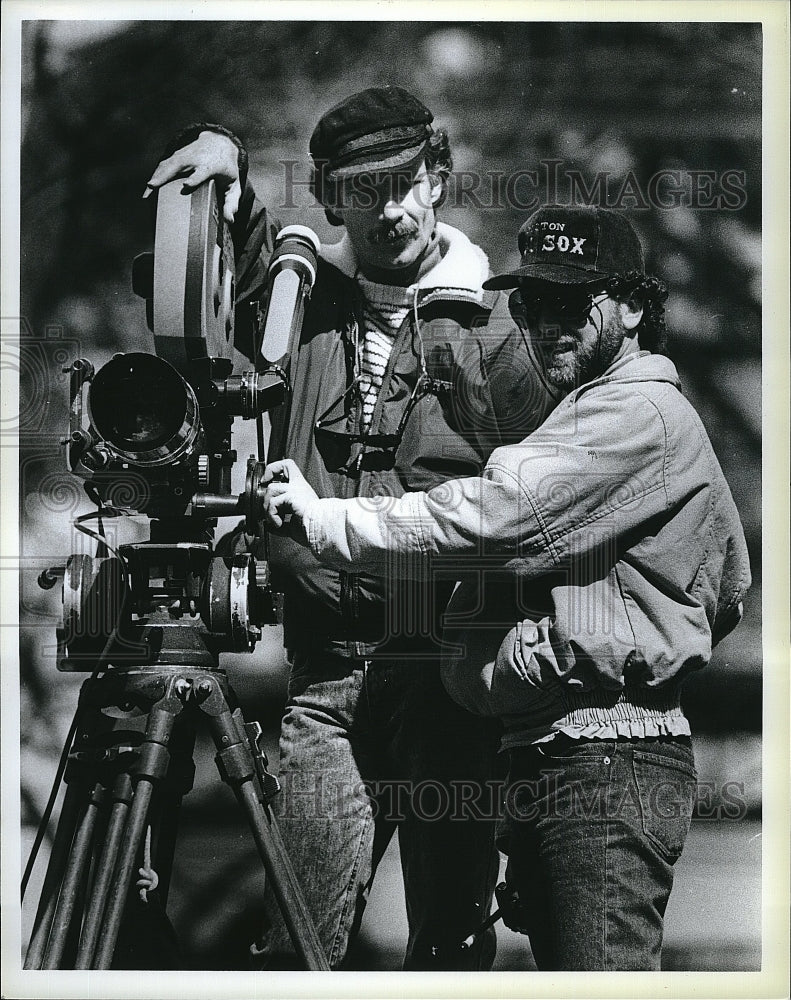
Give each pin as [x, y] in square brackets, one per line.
[76, 870]
[235, 761]
[152, 767]
[57, 865]
[177, 784]
[122, 878]
[285, 884]
[122, 796]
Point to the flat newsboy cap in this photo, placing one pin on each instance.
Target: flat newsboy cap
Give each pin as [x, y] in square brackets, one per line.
[573, 245]
[382, 128]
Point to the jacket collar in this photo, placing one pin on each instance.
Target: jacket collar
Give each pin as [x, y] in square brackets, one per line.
[640, 367]
[459, 274]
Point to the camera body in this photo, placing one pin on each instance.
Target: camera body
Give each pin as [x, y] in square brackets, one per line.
[151, 434]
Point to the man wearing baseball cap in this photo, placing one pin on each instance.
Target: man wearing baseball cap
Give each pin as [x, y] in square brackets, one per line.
[577, 263]
[405, 377]
[615, 561]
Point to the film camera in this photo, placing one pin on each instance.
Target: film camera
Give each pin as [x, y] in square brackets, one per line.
[151, 434]
[157, 438]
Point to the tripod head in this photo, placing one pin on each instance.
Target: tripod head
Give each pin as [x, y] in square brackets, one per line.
[151, 434]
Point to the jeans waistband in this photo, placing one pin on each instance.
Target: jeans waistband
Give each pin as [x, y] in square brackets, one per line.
[541, 756]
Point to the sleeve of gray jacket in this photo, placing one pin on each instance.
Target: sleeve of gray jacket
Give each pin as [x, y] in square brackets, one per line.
[575, 486]
[389, 536]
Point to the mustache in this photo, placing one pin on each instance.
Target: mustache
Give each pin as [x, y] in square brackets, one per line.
[551, 334]
[382, 235]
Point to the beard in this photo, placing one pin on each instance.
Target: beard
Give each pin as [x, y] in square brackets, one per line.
[571, 361]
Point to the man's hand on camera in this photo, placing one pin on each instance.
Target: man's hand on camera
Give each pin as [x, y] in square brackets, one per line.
[210, 155]
[288, 494]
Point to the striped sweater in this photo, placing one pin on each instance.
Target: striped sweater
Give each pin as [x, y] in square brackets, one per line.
[386, 307]
[462, 266]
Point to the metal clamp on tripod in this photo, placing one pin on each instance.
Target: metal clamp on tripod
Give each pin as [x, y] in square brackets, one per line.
[151, 434]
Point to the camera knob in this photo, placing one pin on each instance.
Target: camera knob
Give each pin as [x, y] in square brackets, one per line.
[254, 495]
[203, 470]
[262, 574]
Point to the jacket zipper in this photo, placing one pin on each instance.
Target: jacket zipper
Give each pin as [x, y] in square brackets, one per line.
[398, 347]
[349, 595]
[350, 584]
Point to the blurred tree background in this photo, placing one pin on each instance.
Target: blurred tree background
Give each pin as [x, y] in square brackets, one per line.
[625, 101]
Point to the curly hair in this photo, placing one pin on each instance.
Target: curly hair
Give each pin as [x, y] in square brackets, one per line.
[438, 160]
[652, 293]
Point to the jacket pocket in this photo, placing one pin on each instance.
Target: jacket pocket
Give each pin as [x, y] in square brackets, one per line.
[528, 667]
[506, 671]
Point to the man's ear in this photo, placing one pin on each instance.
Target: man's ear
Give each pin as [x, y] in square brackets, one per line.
[631, 311]
[436, 189]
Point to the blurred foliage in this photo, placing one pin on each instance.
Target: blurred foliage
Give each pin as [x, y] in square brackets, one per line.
[100, 102]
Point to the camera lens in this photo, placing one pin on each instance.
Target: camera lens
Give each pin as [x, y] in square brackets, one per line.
[143, 409]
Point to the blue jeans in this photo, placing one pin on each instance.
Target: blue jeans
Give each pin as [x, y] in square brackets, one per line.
[592, 830]
[367, 747]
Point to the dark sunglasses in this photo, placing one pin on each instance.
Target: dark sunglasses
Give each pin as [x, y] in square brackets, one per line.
[571, 301]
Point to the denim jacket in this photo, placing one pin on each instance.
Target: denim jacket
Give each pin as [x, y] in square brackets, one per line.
[600, 560]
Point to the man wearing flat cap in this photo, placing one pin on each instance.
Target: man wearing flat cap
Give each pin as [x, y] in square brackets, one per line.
[408, 373]
[615, 562]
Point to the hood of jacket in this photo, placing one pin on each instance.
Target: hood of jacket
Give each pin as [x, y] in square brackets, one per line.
[641, 366]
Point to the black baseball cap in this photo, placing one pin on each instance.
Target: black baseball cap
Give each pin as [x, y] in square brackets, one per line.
[573, 246]
[375, 130]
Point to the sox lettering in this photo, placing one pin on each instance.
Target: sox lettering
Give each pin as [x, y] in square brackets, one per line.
[563, 243]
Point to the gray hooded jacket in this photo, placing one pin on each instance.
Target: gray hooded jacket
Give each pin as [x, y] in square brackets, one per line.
[599, 560]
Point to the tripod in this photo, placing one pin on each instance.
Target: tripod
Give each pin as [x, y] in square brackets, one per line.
[129, 767]
[152, 434]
